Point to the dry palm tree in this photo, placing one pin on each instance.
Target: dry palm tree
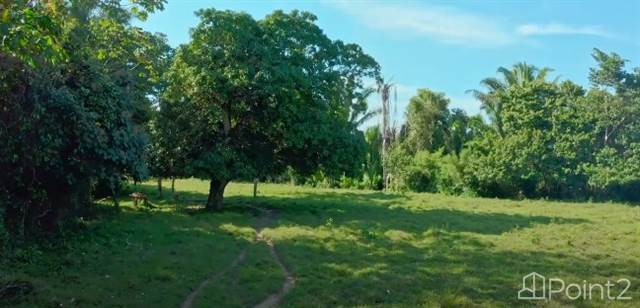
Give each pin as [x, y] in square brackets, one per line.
[388, 131]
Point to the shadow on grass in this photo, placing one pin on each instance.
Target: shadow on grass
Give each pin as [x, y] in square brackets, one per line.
[128, 258]
[451, 270]
[364, 248]
[189, 202]
[359, 210]
[363, 210]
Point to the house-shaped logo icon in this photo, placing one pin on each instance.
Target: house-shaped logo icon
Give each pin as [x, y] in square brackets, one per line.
[533, 287]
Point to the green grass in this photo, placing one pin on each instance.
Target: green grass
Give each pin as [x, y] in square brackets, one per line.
[344, 248]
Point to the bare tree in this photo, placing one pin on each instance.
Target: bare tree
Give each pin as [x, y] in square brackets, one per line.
[388, 129]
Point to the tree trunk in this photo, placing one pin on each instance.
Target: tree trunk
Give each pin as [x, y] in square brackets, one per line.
[216, 194]
[160, 187]
[173, 185]
[255, 187]
[115, 193]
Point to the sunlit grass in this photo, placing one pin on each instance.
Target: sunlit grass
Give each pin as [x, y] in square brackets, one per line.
[345, 248]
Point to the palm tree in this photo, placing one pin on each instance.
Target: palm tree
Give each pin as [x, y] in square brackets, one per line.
[427, 115]
[520, 74]
[359, 112]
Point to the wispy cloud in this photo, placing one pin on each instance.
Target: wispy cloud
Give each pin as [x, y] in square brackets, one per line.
[454, 26]
[561, 29]
[439, 23]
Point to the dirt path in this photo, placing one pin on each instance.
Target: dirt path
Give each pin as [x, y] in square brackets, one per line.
[267, 218]
[289, 281]
[215, 276]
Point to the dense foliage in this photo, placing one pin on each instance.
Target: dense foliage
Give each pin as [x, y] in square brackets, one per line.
[88, 100]
[544, 138]
[73, 106]
[250, 98]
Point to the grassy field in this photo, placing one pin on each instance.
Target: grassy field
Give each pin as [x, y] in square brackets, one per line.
[343, 248]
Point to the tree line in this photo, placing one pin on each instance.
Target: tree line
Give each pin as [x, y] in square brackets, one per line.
[543, 138]
[89, 101]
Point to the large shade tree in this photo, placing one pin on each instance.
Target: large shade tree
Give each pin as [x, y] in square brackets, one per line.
[253, 97]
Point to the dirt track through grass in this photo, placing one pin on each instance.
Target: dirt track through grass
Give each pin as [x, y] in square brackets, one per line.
[289, 281]
[345, 248]
[188, 302]
[267, 218]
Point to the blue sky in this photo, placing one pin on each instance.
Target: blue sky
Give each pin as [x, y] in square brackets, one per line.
[449, 46]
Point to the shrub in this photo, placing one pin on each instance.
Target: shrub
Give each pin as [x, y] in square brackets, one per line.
[347, 182]
[422, 174]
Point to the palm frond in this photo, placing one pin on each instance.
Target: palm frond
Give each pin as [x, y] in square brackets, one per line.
[367, 116]
[543, 73]
[493, 84]
[508, 75]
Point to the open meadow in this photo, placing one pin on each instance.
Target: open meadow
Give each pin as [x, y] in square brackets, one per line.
[339, 247]
[385, 153]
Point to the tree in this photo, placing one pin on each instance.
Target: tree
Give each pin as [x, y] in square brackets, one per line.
[253, 97]
[388, 130]
[360, 112]
[29, 32]
[462, 128]
[519, 75]
[615, 96]
[528, 155]
[431, 126]
[159, 156]
[67, 125]
[614, 105]
[427, 121]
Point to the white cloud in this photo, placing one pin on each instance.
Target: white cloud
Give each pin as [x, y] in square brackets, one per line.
[453, 26]
[439, 23]
[560, 29]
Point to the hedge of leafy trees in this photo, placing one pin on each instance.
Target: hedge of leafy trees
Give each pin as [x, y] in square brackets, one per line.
[544, 138]
[89, 101]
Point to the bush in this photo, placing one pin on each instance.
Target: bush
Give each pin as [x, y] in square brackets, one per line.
[425, 171]
[519, 165]
[398, 162]
[616, 175]
[422, 174]
[372, 182]
[58, 137]
[347, 182]
[450, 176]
[319, 180]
